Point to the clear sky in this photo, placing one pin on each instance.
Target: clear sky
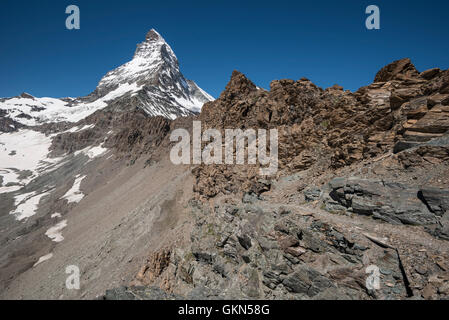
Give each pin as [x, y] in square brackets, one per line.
[325, 41]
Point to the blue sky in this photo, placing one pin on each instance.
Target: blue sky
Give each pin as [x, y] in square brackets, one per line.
[325, 41]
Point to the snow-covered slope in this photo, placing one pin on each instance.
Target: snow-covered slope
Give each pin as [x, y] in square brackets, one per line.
[151, 81]
[23, 156]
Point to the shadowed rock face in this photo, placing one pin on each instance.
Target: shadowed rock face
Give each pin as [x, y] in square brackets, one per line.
[130, 134]
[7, 124]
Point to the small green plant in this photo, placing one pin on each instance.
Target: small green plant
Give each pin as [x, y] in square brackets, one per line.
[325, 124]
[189, 256]
[210, 229]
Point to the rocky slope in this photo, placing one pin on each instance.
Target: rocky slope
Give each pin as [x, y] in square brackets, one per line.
[53, 152]
[363, 181]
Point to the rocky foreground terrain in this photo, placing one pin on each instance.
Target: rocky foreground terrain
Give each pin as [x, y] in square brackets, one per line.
[363, 180]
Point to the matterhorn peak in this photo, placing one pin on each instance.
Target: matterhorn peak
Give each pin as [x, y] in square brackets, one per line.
[154, 76]
[151, 81]
[154, 49]
[153, 35]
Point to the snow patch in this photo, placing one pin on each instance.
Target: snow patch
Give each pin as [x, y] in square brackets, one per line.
[31, 150]
[74, 195]
[27, 205]
[78, 128]
[43, 258]
[46, 110]
[92, 152]
[9, 189]
[54, 233]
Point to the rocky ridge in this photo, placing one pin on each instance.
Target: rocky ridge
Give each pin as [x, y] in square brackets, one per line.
[363, 181]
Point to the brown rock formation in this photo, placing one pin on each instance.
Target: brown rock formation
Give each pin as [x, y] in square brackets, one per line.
[321, 129]
[398, 70]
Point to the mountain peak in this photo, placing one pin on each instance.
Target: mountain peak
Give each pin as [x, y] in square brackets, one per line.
[155, 48]
[26, 95]
[151, 81]
[152, 58]
[153, 35]
[238, 85]
[153, 74]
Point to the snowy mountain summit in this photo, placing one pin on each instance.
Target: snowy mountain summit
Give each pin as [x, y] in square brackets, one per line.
[153, 74]
[151, 81]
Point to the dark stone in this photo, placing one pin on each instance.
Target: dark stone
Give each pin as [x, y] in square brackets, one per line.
[307, 281]
[246, 258]
[271, 279]
[391, 202]
[436, 199]
[203, 257]
[312, 194]
[309, 241]
[404, 145]
[244, 241]
[429, 74]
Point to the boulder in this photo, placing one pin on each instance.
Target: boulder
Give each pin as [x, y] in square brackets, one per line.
[436, 199]
[312, 194]
[389, 201]
[430, 74]
[434, 121]
[396, 68]
[436, 99]
[308, 281]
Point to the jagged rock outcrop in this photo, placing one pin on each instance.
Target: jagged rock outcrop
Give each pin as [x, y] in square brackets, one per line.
[7, 124]
[399, 70]
[390, 201]
[328, 129]
[252, 246]
[156, 264]
[267, 250]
